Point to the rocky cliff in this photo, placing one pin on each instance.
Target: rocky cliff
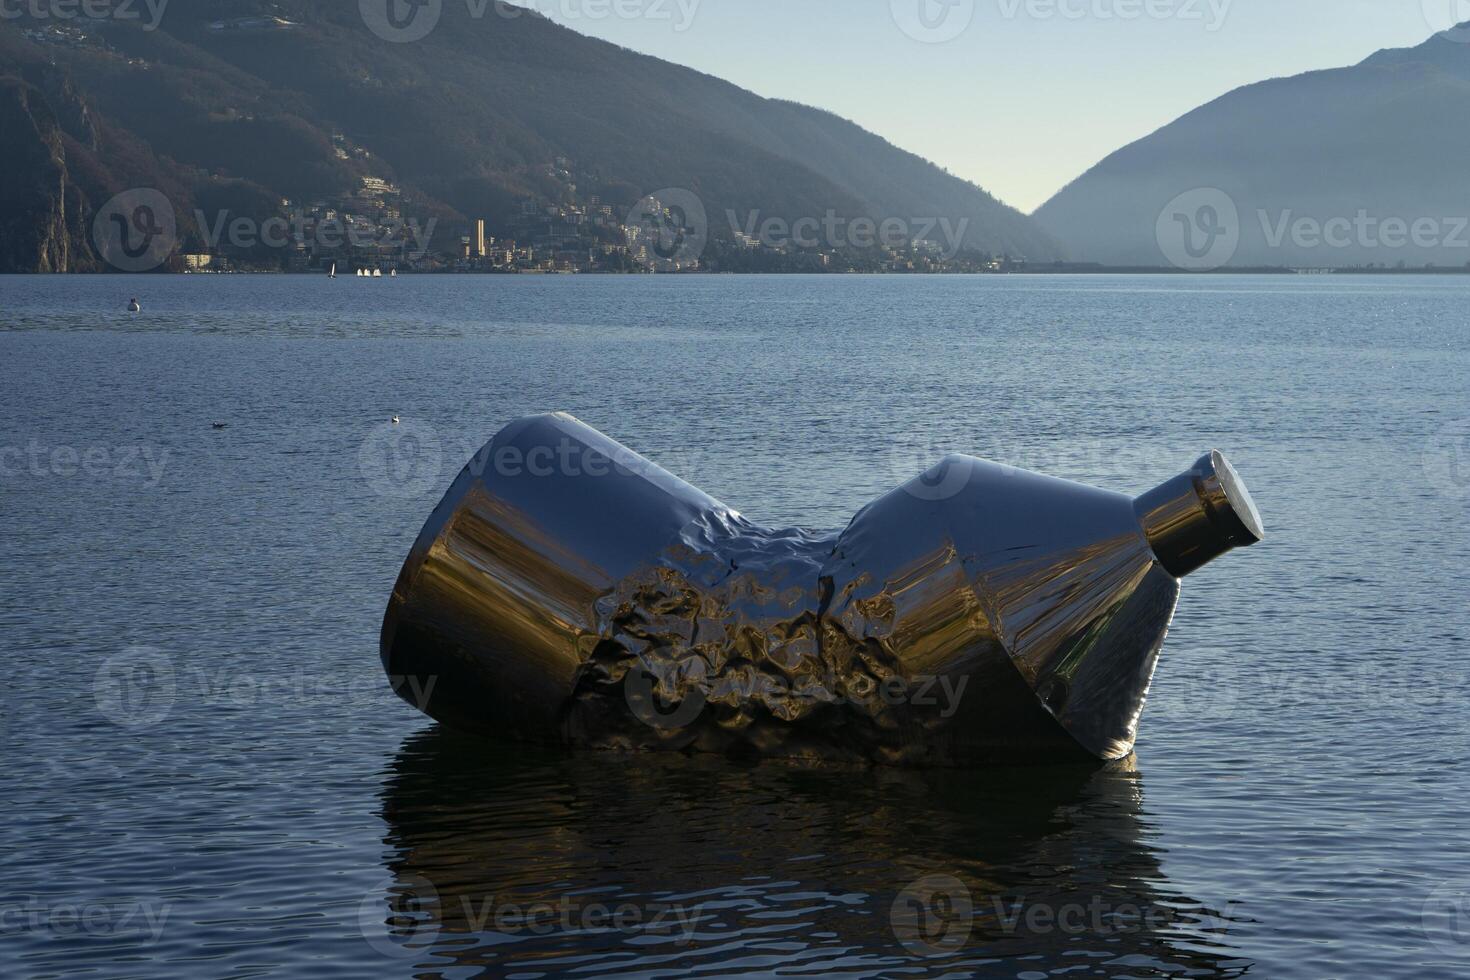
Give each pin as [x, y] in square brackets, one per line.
[42, 213]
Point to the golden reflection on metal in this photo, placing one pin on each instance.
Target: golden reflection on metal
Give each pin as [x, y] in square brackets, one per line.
[567, 590]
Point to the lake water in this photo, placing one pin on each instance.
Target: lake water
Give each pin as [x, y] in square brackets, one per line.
[207, 775]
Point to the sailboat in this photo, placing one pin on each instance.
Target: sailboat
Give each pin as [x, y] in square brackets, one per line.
[392, 273]
[333, 273]
[377, 273]
[361, 273]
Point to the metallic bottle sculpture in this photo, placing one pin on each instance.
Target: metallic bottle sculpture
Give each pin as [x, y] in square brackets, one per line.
[567, 590]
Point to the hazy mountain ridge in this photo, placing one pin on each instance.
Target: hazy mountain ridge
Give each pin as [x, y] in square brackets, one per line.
[1440, 51]
[467, 120]
[1374, 146]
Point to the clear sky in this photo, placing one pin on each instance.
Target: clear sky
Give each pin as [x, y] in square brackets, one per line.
[1026, 94]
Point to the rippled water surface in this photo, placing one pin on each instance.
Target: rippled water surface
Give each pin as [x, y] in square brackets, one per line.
[207, 775]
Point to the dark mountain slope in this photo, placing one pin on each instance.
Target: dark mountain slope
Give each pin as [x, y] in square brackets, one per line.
[468, 119]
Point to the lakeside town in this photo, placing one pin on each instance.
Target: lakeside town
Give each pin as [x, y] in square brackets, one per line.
[370, 229]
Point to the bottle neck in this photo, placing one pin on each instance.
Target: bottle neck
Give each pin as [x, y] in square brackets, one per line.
[1198, 516]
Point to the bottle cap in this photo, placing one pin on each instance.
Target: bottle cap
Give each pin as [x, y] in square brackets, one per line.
[1198, 516]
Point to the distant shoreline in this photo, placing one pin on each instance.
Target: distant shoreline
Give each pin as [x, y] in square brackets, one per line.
[1046, 270]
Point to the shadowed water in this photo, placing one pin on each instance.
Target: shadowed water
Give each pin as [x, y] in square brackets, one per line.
[210, 777]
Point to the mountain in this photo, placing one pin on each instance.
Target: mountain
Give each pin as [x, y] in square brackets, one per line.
[1352, 166]
[237, 104]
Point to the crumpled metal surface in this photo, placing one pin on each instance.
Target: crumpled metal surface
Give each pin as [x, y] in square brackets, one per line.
[977, 615]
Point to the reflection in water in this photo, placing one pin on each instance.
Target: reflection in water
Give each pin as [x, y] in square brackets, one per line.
[541, 864]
